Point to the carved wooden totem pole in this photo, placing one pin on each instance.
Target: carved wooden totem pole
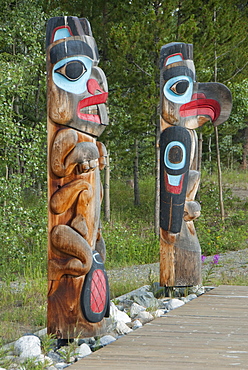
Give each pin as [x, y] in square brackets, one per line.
[184, 106]
[78, 296]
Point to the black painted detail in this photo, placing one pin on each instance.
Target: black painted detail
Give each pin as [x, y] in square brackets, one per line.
[95, 300]
[68, 49]
[172, 198]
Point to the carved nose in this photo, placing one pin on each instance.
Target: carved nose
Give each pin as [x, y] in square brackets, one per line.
[197, 96]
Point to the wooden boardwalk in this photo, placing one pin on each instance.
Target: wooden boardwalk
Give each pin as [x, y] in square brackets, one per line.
[210, 332]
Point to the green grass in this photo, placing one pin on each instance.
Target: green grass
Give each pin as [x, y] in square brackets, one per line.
[129, 238]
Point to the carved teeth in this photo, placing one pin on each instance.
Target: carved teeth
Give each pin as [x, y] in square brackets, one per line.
[90, 110]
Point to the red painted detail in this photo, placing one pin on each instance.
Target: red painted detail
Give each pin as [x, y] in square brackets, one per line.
[59, 28]
[93, 87]
[173, 55]
[172, 188]
[201, 106]
[98, 291]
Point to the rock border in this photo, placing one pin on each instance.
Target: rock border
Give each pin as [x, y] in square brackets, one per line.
[127, 313]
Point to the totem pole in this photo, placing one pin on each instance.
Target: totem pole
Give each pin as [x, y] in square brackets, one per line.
[78, 294]
[184, 106]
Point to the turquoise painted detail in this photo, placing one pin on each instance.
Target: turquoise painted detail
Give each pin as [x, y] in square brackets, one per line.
[174, 166]
[173, 59]
[61, 33]
[179, 98]
[75, 87]
[174, 180]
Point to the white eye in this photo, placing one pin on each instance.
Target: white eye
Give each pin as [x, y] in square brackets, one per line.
[180, 87]
[72, 70]
[71, 74]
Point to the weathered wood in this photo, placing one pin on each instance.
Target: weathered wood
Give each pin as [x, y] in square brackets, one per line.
[208, 332]
[76, 97]
[184, 106]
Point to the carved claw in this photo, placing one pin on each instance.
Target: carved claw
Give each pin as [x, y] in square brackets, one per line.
[58, 268]
[192, 210]
[87, 166]
[68, 241]
[102, 155]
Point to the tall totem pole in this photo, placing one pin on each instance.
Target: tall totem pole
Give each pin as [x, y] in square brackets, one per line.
[78, 296]
[184, 105]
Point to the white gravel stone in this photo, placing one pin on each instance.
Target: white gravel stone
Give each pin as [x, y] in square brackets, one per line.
[83, 350]
[122, 328]
[107, 339]
[44, 359]
[135, 309]
[118, 315]
[159, 313]
[28, 346]
[174, 303]
[145, 317]
[136, 324]
[189, 298]
[61, 365]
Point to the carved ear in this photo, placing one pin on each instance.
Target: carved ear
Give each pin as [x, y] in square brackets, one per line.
[85, 24]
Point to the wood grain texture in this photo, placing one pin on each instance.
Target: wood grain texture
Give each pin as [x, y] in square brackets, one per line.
[184, 104]
[76, 97]
[209, 332]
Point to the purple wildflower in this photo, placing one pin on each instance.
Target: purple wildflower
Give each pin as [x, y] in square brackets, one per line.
[216, 259]
[203, 258]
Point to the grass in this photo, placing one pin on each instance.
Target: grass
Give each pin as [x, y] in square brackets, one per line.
[22, 308]
[129, 239]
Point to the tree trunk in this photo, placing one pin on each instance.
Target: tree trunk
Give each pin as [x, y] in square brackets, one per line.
[157, 181]
[106, 190]
[222, 211]
[136, 173]
[210, 154]
[245, 150]
[200, 140]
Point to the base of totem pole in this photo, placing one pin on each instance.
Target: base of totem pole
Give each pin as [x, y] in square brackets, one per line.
[66, 311]
[180, 258]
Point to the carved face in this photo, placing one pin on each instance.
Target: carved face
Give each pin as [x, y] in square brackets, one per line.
[184, 102]
[78, 88]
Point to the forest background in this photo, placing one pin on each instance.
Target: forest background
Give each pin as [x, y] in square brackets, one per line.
[129, 35]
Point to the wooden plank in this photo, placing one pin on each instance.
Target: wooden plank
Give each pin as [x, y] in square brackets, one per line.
[208, 332]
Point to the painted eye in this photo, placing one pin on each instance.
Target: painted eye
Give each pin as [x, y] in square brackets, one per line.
[175, 154]
[72, 70]
[180, 87]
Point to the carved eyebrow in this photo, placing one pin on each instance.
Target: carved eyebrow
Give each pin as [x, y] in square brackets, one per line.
[178, 71]
[68, 49]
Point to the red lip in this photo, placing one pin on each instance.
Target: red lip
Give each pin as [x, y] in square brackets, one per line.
[199, 105]
[173, 189]
[93, 88]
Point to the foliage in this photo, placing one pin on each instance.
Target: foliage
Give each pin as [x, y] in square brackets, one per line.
[22, 307]
[210, 269]
[214, 236]
[129, 236]
[23, 230]
[129, 36]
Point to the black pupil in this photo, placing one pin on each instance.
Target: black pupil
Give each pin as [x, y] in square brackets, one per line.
[182, 86]
[175, 154]
[74, 70]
